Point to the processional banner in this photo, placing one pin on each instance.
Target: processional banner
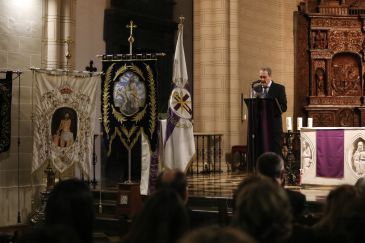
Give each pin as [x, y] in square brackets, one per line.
[5, 111]
[63, 120]
[177, 130]
[129, 116]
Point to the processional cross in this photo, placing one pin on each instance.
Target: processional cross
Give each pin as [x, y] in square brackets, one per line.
[131, 26]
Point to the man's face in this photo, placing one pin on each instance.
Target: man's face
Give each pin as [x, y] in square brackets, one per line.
[265, 78]
[360, 146]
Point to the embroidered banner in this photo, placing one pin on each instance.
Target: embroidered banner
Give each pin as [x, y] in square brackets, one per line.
[64, 118]
[330, 148]
[129, 111]
[177, 131]
[5, 111]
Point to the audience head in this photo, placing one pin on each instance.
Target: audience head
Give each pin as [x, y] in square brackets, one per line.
[335, 208]
[51, 233]
[71, 203]
[271, 165]
[163, 219]
[175, 180]
[217, 234]
[262, 209]
[355, 219]
[332, 226]
[360, 184]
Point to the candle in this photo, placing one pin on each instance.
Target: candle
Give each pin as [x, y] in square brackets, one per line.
[310, 122]
[289, 124]
[299, 123]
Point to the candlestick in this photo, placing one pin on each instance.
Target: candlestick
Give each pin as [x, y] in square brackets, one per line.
[310, 122]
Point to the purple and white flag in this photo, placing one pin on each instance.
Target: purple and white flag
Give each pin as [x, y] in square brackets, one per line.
[177, 130]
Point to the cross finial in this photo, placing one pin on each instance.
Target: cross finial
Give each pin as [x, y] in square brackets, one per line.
[91, 67]
[131, 26]
[68, 42]
[181, 23]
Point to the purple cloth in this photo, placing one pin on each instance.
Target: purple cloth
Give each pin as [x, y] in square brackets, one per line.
[330, 146]
[265, 128]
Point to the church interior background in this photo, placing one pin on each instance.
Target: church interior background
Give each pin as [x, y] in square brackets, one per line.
[226, 43]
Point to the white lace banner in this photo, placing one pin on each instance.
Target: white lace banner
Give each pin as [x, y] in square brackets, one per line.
[63, 120]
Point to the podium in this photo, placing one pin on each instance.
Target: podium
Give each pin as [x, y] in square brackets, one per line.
[264, 128]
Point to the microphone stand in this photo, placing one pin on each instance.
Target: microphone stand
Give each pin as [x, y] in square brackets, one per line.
[253, 129]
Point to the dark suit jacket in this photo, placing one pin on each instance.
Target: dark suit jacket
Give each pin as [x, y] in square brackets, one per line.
[276, 92]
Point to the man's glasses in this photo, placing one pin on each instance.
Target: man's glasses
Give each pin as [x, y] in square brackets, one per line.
[263, 76]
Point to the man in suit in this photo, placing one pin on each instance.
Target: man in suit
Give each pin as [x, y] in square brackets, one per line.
[271, 165]
[267, 88]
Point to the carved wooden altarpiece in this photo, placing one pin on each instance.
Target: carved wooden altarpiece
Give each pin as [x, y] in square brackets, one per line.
[329, 67]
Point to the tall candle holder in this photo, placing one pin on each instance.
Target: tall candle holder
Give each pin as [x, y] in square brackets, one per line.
[37, 215]
[292, 175]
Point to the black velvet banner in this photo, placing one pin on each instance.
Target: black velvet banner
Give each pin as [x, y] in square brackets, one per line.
[5, 111]
[129, 109]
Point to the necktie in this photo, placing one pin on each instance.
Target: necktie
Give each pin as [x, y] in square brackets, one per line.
[265, 91]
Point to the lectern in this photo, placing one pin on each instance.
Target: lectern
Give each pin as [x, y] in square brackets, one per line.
[262, 113]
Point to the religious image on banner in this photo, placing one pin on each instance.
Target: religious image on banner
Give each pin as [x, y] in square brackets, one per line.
[358, 157]
[177, 130]
[63, 120]
[129, 116]
[5, 111]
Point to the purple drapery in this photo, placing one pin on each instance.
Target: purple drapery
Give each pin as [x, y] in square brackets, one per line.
[330, 148]
[265, 127]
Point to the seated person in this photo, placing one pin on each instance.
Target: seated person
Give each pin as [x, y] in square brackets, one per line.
[70, 204]
[271, 165]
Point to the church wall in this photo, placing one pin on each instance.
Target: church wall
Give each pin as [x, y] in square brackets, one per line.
[216, 69]
[20, 48]
[267, 39]
[89, 43]
[232, 41]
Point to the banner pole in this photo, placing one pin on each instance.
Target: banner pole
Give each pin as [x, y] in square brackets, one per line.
[18, 163]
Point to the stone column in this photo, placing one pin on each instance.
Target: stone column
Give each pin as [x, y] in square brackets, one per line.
[58, 26]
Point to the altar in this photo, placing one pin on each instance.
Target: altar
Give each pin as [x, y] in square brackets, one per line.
[332, 155]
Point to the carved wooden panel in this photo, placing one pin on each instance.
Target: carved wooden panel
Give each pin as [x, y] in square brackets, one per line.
[336, 47]
[341, 40]
[323, 119]
[330, 100]
[346, 75]
[319, 39]
[346, 117]
[336, 22]
[335, 117]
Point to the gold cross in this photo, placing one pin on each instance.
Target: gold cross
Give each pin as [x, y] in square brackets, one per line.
[130, 26]
[68, 42]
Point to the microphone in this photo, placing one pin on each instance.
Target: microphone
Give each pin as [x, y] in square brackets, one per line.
[256, 82]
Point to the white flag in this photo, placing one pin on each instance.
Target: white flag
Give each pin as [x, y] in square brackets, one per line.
[177, 130]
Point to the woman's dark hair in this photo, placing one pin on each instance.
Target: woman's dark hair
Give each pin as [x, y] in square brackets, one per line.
[332, 224]
[262, 209]
[71, 203]
[163, 219]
